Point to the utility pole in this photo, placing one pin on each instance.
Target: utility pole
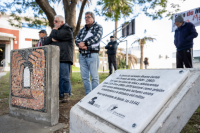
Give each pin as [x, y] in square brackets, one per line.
[103, 58]
[126, 52]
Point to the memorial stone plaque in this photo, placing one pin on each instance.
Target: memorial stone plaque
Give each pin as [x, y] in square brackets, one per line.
[130, 99]
[34, 80]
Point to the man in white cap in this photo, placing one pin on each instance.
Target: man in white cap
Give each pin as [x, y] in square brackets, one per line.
[183, 40]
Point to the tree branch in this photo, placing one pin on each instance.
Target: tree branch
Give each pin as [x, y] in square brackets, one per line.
[48, 10]
[79, 18]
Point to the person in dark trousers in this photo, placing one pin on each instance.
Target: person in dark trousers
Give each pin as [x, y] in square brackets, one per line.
[146, 62]
[111, 51]
[42, 36]
[183, 40]
[62, 36]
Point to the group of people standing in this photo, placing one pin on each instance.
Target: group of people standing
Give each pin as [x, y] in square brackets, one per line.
[88, 42]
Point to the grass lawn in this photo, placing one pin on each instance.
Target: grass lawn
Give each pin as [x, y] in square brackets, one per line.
[4, 86]
[193, 125]
[77, 69]
[4, 94]
[78, 87]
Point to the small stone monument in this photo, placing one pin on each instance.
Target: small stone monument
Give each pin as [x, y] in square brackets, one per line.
[135, 101]
[34, 83]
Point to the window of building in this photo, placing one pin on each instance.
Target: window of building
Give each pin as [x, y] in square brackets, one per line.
[34, 42]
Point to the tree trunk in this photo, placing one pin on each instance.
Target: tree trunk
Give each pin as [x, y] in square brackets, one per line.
[48, 10]
[141, 58]
[70, 16]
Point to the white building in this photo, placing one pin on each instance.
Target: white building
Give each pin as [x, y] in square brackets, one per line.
[16, 38]
[157, 59]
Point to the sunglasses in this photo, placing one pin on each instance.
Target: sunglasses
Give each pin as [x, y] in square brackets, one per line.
[55, 21]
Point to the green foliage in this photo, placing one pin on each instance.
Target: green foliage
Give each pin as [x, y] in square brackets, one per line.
[143, 40]
[111, 9]
[122, 63]
[16, 8]
[193, 125]
[116, 9]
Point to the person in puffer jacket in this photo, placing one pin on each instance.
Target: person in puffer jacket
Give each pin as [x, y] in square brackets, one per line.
[183, 40]
[62, 36]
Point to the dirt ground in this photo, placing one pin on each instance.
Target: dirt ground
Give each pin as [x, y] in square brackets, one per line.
[64, 117]
[4, 106]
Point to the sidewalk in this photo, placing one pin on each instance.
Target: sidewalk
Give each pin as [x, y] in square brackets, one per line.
[10, 124]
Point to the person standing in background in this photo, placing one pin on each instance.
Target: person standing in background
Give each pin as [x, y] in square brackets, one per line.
[42, 36]
[183, 40]
[146, 62]
[111, 51]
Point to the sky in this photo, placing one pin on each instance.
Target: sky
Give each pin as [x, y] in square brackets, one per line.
[159, 29]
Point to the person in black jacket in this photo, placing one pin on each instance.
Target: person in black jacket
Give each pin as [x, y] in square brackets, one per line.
[42, 36]
[62, 36]
[112, 48]
[183, 40]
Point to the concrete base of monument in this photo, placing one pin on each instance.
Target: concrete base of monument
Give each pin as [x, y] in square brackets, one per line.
[9, 124]
[172, 117]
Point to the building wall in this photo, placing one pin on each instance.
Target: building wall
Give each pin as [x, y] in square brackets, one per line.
[157, 60]
[23, 37]
[15, 33]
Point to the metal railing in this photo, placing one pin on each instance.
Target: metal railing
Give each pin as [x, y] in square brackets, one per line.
[3, 63]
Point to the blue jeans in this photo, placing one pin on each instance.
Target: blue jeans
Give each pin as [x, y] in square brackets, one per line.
[89, 65]
[64, 79]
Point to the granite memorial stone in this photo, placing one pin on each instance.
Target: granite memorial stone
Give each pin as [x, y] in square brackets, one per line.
[129, 100]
